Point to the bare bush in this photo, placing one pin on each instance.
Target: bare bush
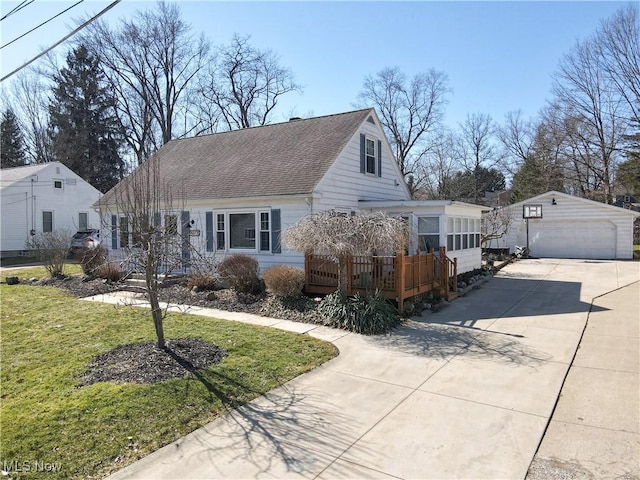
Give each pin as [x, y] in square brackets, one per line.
[109, 271]
[51, 248]
[91, 258]
[240, 272]
[339, 235]
[284, 280]
[201, 281]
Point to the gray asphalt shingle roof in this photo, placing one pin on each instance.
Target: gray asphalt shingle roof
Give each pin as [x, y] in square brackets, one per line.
[280, 159]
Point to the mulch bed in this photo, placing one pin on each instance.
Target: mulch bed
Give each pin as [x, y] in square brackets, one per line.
[146, 363]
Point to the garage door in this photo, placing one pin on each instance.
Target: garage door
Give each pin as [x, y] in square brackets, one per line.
[567, 239]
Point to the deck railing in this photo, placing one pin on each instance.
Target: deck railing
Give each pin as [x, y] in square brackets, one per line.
[397, 277]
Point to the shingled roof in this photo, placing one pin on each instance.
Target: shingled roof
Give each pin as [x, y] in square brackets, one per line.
[280, 159]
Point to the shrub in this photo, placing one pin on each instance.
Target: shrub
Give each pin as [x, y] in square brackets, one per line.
[368, 314]
[284, 280]
[202, 281]
[91, 258]
[241, 273]
[51, 248]
[109, 271]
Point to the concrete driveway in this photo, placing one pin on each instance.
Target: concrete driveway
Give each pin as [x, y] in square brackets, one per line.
[467, 392]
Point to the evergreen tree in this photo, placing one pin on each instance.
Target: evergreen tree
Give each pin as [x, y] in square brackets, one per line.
[11, 142]
[84, 129]
[535, 177]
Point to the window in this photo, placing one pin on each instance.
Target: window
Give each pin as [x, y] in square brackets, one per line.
[57, 184]
[264, 232]
[370, 156]
[428, 233]
[170, 225]
[242, 230]
[220, 244]
[83, 223]
[245, 231]
[124, 232]
[47, 221]
[463, 233]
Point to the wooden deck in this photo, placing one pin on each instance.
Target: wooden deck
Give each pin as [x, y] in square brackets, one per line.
[397, 277]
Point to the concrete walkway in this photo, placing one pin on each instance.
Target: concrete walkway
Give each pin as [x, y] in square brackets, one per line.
[467, 392]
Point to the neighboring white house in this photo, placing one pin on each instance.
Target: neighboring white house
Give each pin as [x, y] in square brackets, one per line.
[564, 226]
[43, 198]
[240, 189]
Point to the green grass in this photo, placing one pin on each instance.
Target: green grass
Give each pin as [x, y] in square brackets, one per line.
[47, 339]
[636, 251]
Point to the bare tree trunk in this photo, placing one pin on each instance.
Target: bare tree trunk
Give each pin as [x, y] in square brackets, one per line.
[152, 292]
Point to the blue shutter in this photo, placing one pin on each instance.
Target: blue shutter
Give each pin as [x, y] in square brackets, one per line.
[114, 232]
[209, 230]
[275, 231]
[186, 231]
[379, 158]
[362, 152]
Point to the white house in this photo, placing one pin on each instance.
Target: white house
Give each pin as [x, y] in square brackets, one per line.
[241, 188]
[564, 226]
[43, 198]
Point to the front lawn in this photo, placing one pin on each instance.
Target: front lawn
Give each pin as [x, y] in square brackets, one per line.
[47, 340]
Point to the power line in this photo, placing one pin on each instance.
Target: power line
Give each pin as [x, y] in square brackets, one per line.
[43, 23]
[66, 37]
[16, 9]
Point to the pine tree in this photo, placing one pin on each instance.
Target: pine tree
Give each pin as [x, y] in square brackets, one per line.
[11, 143]
[84, 129]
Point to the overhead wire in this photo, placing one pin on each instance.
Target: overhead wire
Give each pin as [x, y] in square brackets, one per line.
[66, 37]
[43, 23]
[19, 7]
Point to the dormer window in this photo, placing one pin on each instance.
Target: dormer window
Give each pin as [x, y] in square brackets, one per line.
[371, 156]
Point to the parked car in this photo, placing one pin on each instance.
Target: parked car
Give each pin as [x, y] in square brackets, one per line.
[85, 239]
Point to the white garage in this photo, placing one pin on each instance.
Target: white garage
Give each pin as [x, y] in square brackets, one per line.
[564, 226]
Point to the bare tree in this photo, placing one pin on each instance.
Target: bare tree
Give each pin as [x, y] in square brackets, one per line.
[246, 84]
[495, 225]
[152, 232]
[592, 112]
[410, 112]
[477, 150]
[517, 136]
[152, 61]
[339, 235]
[618, 44]
[31, 92]
[440, 165]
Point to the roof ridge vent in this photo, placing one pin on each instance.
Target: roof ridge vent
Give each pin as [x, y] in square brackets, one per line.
[293, 119]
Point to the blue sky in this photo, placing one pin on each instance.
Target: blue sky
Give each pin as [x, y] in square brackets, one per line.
[499, 56]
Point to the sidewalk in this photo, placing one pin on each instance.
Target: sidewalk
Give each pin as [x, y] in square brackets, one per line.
[595, 429]
[467, 392]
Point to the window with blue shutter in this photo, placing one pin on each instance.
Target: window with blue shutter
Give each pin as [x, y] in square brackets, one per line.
[275, 231]
[362, 154]
[209, 230]
[186, 233]
[114, 232]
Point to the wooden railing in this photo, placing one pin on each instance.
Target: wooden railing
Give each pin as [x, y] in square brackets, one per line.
[398, 277]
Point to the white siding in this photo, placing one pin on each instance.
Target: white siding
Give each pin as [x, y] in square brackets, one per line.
[579, 228]
[23, 202]
[344, 185]
[291, 210]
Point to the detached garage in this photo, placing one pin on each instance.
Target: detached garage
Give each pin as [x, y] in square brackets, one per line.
[558, 225]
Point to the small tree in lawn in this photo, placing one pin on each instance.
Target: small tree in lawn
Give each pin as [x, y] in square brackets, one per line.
[156, 246]
[341, 236]
[495, 225]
